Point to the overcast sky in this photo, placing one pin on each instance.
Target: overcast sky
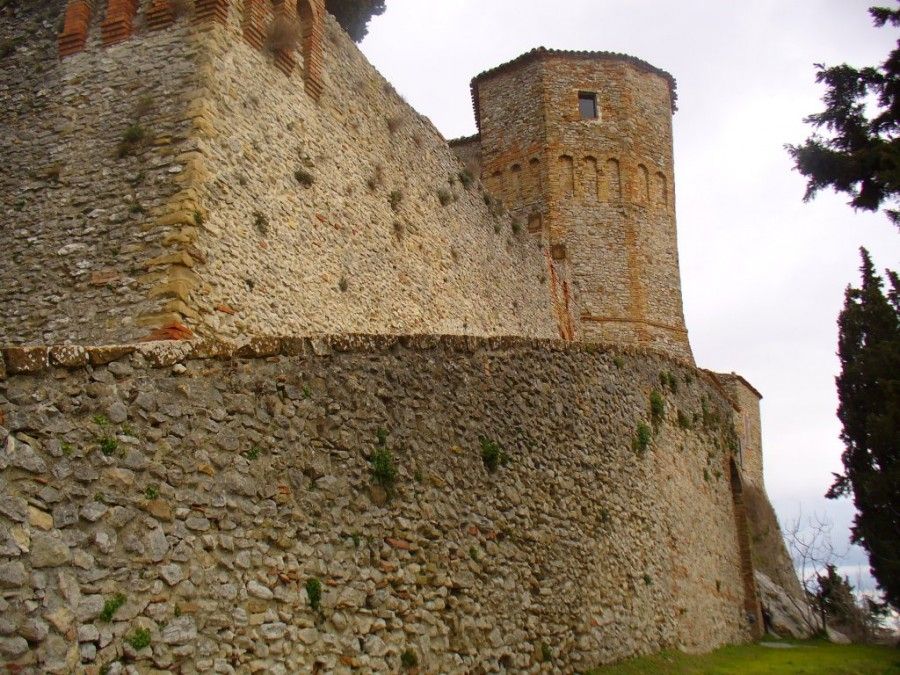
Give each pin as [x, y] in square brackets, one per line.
[763, 274]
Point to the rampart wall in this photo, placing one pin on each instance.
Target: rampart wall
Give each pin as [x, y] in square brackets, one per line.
[79, 260]
[207, 484]
[182, 170]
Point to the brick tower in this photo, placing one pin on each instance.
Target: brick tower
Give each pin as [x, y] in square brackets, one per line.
[579, 146]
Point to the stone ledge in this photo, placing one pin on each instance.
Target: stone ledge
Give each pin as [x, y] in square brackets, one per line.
[30, 359]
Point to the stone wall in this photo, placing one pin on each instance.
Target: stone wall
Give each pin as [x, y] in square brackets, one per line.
[91, 146]
[249, 199]
[204, 486]
[748, 426]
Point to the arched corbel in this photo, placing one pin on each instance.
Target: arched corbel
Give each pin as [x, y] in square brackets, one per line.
[119, 22]
[312, 21]
[75, 27]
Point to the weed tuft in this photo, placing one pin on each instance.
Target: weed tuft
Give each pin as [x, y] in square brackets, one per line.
[111, 606]
[133, 139]
[261, 223]
[314, 593]
[108, 445]
[408, 659]
[546, 654]
[139, 639]
[642, 438]
[304, 177]
[444, 196]
[492, 454]
[657, 407]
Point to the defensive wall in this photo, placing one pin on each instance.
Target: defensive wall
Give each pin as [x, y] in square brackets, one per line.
[207, 484]
[219, 169]
[185, 172]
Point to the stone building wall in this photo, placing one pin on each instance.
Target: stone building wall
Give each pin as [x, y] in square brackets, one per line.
[338, 255]
[769, 552]
[204, 487]
[600, 192]
[256, 200]
[747, 424]
[80, 258]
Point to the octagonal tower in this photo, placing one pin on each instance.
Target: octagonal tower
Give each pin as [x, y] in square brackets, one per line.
[579, 146]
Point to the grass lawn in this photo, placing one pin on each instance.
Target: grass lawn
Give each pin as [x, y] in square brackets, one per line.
[812, 658]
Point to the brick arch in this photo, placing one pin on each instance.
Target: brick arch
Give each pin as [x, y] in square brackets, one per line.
[662, 190]
[535, 180]
[642, 189]
[613, 183]
[567, 175]
[312, 22]
[518, 195]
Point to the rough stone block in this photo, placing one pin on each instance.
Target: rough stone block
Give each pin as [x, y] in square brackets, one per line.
[25, 359]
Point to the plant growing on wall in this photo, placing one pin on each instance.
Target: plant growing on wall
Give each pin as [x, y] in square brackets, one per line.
[304, 177]
[444, 196]
[314, 593]
[492, 454]
[139, 639]
[384, 471]
[642, 437]
[111, 606]
[657, 407]
[408, 659]
[133, 139]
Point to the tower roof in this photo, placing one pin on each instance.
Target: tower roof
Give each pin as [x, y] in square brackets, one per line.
[540, 53]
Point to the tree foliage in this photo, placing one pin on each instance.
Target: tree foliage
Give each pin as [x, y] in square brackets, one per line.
[860, 153]
[354, 15]
[835, 599]
[869, 410]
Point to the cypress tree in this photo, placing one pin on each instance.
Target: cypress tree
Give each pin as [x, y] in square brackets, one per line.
[860, 153]
[869, 410]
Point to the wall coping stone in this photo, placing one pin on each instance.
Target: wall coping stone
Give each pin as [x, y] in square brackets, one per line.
[35, 359]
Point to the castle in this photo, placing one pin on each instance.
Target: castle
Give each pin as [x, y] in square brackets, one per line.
[237, 267]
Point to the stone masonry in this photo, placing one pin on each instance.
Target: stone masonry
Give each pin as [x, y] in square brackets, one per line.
[597, 192]
[188, 178]
[295, 277]
[208, 484]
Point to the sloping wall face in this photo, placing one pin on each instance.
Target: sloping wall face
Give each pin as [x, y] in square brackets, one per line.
[769, 551]
[176, 164]
[192, 492]
[348, 213]
[91, 146]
